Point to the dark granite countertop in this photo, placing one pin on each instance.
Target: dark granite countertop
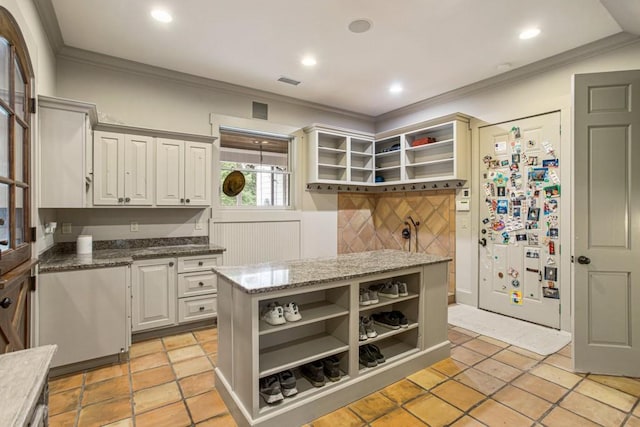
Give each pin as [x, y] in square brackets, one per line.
[273, 276]
[123, 252]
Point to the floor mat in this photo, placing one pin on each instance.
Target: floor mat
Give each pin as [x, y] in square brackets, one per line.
[536, 338]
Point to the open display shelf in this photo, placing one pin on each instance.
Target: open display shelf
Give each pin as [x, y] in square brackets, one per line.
[393, 350]
[386, 332]
[311, 313]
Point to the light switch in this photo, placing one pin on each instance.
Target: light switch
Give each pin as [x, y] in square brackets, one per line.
[66, 228]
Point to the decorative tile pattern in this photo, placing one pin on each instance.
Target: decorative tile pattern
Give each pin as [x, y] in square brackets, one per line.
[507, 386]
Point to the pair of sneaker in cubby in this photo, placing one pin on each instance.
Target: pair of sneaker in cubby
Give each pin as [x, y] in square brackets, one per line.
[366, 329]
[393, 319]
[370, 356]
[275, 388]
[276, 314]
[391, 289]
[316, 371]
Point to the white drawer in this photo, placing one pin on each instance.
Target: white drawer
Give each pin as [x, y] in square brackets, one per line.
[197, 263]
[192, 284]
[196, 308]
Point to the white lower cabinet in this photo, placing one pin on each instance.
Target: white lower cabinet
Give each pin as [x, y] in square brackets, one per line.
[84, 312]
[153, 285]
[196, 308]
[197, 288]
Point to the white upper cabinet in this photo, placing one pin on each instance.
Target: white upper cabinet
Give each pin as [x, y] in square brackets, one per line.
[183, 173]
[123, 169]
[65, 153]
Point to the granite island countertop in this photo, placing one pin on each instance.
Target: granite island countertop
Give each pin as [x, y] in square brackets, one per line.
[114, 257]
[273, 276]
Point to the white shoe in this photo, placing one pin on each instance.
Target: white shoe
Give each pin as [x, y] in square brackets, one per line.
[291, 312]
[273, 314]
[364, 297]
[373, 295]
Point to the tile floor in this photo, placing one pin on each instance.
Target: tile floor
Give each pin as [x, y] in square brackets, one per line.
[170, 382]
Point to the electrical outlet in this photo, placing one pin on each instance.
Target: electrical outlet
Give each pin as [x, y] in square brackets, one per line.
[134, 226]
[66, 228]
[198, 225]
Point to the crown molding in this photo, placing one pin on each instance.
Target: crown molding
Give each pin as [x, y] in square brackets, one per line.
[50, 23]
[598, 47]
[125, 65]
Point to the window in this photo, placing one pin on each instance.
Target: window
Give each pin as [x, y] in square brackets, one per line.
[15, 133]
[265, 162]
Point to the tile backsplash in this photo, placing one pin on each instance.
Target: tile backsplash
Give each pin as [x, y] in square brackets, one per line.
[375, 221]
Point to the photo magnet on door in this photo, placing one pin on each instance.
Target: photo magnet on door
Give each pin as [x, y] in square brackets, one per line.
[550, 293]
[551, 273]
[516, 297]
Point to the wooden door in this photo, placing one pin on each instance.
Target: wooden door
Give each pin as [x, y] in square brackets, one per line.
[169, 172]
[607, 223]
[108, 164]
[138, 170]
[14, 313]
[197, 179]
[154, 294]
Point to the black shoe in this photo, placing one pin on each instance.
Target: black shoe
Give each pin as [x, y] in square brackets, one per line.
[366, 358]
[375, 351]
[386, 319]
[332, 368]
[314, 373]
[403, 322]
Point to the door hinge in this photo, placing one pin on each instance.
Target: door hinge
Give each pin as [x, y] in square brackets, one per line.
[32, 105]
[32, 283]
[32, 238]
[559, 308]
[560, 130]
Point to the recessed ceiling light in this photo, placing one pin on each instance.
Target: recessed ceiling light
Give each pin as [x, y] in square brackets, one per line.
[360, 26]
[161, 15]
[395, 88]
[529, 33]
[308, 61]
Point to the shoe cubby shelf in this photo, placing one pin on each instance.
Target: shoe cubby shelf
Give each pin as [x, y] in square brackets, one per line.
[251, 349]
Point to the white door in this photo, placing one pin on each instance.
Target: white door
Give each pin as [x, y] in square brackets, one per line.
[197, 170]
[108, 163]
[138, 170]
[170, 172]
[519, 219]
[607, 223]
[154, 294]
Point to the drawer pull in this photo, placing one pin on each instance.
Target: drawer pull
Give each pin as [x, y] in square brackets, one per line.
[6, 302]
[201, 308]
[200, 263]
[200, 283]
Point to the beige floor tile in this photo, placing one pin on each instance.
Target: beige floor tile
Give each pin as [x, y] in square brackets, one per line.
[493, 413]
[185, 353]
[593, 410]
[192, 367]
[529, 354]
[206, 334]
[494, 341]
[174, 415]
[480, 381]
[177, 341]
[213, 358]
[402, 391]
[155, 397]
[65, 419]
[372, 406]
[467, 421]
[608, 395]
[206, 405]
[399, 417]
[427, 378]
[143, 348]
[106, 373]
[560, 417]
[523, 402]
[498, 369]
[632, 422]
[482, 347]
[628, 385]
[224, 420]
[66, 383]
[540, 387]
[127, 422]
[64, 401]
[466, 331]
[105, 413]
[566, 350]
[559, 361]
[433, 411]
[210, 347]
[466, 356]
[514, 359]
[556, 375]
[114, 388]
[197, 384]
[459, 395]
[458, 338]
[341, 417]
[148, 361]
[449, 367]
[636, 411]
[152, 377]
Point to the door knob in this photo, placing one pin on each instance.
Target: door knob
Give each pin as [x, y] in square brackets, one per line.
[482, 242]
[6, 302]
[127, 199]
[584, 260]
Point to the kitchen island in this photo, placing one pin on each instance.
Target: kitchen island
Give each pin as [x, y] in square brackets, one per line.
[327, 292]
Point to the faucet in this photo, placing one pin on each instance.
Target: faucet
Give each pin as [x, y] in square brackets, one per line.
[416, 224]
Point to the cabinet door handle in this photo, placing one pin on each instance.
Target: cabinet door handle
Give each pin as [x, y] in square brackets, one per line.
[120, 199]
[188, 201]
[200, 284]
[181, 200]
[6, 302]
[201, 308]
[127, 200]
[171, 264]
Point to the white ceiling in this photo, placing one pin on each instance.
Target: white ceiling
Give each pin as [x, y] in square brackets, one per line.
[429, 46]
